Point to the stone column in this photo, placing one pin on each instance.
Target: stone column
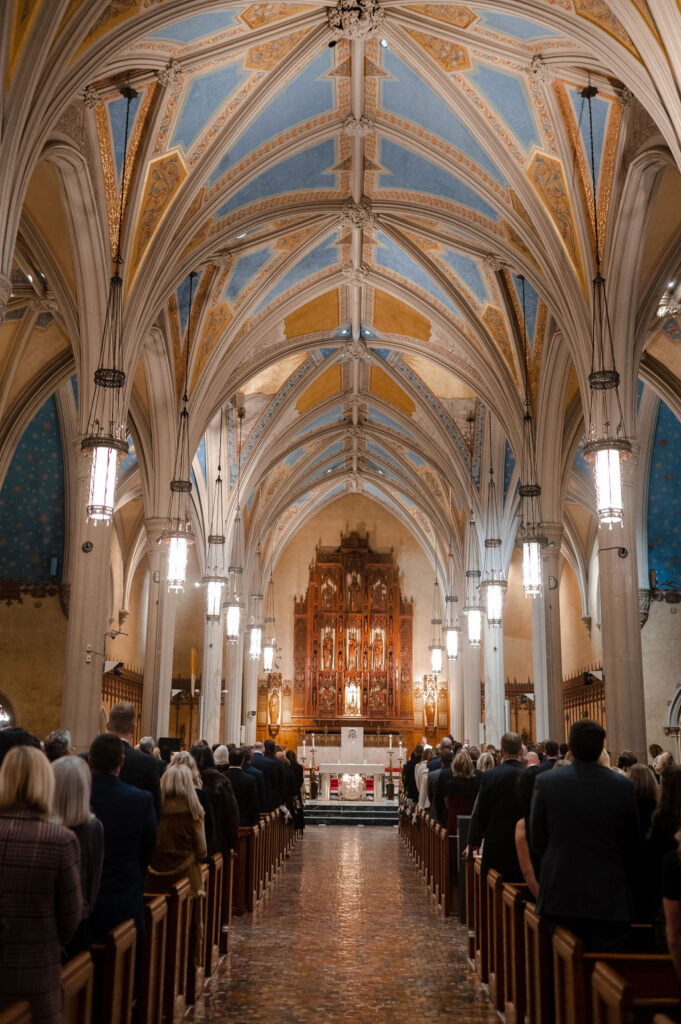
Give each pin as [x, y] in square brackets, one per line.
[233, 684]
[470, 671]
[546, 649]
[158, 653]
[5, 292]
[495, 687]
[456, 697]
[211, 681]
[250, 698]
[621, 629]
[88, 608]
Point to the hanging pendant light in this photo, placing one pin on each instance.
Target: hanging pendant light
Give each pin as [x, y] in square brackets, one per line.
[178, 532]
[471, 606]
[529, 490]
[493, 584]
[270, 647]
[215, 579]
[236, 563]
[255, 627]
[604, 448]
[452, 627]
[106, 434]
[436, 624]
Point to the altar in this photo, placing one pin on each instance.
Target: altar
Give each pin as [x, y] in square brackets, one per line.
[351, 768]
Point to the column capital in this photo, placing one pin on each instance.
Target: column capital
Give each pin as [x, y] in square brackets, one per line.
[155, 527]
[553, 533]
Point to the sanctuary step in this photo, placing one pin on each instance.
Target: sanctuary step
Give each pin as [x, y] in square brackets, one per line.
[351, 812]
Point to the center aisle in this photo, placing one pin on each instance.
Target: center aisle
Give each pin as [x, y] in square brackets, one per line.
[347, 934]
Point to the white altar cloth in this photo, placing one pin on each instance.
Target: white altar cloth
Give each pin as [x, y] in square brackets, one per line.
[341, 768]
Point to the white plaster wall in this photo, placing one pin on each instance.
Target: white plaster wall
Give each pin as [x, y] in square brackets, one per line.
[355, 512]
[579, 650]
[517, 625]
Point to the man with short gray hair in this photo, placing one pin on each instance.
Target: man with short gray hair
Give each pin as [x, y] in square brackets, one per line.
[57, 744]
[147, 744]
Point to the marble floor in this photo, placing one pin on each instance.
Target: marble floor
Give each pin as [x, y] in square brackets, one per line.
[347, 933]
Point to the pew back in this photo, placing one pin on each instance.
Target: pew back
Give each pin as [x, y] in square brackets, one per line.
[20, 1013]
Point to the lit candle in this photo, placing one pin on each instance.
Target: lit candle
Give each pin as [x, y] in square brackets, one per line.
[391, 741]
[313, 741]
[303, 748]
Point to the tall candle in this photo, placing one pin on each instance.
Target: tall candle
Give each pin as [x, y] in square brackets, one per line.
[313, 741]
[391, 741]
[303, 748]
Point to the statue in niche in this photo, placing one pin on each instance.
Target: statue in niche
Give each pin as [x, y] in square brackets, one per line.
[352, 698]
[352, 651]
[327, 650]
[430, 708]
[365, 659]
[274, 704]
[354, 596]
[378, 651]
[378, 592]
[328, 594]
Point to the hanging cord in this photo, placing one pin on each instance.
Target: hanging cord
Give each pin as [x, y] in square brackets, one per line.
[526, 352]
[185, 398]
[130, 95]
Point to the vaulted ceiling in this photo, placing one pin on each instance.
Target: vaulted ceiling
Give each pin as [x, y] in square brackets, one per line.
[358, 215]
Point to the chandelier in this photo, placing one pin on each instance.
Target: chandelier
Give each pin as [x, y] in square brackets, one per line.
[471, 607]
[436, 623]
[270, 647]
[493, 583]
[604, 448]
[105, 440]
[529, 490]
[236, 562]
[452, 627]
[178, 532]
[216, 577]
[255, 628]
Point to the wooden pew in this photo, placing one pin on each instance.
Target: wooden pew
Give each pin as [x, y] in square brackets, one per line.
[194, 976]
[227, 897]
[537, 967]
[480, 922]
[648, 974]
[513, 900]
[153, 961]
[77, 987]
[450, 901]
[213, 914]
[115, 974]
[495, 939]
[20, 1013]
[470, 907]
[617, 1000]
[176, 948]
[659, 1018]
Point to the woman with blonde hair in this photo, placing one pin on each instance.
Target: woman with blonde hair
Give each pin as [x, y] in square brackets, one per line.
[460, 790]
[73, 783]
[485, 762]
[180, 843]
[40, 895]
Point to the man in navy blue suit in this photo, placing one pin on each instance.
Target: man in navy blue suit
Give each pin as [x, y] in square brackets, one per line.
[129, 821]
[264, 761]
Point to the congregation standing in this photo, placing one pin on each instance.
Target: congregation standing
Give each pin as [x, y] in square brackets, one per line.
[598, 844]
[83, 838]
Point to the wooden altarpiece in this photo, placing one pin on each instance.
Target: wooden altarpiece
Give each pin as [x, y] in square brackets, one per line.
[353, 640]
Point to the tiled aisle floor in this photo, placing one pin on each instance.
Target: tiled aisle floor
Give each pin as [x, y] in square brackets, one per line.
[348, 934]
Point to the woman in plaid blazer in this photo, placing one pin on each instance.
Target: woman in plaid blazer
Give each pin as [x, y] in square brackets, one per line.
[41, 902]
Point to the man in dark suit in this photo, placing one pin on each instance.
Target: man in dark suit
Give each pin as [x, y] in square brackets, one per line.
[127, 814]
[271, 771]
[551, 755]
[245, 789]
[254, 773]
[584, 829]
[141, 770]
[496, 812]
[435, 763]
[436, 779]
